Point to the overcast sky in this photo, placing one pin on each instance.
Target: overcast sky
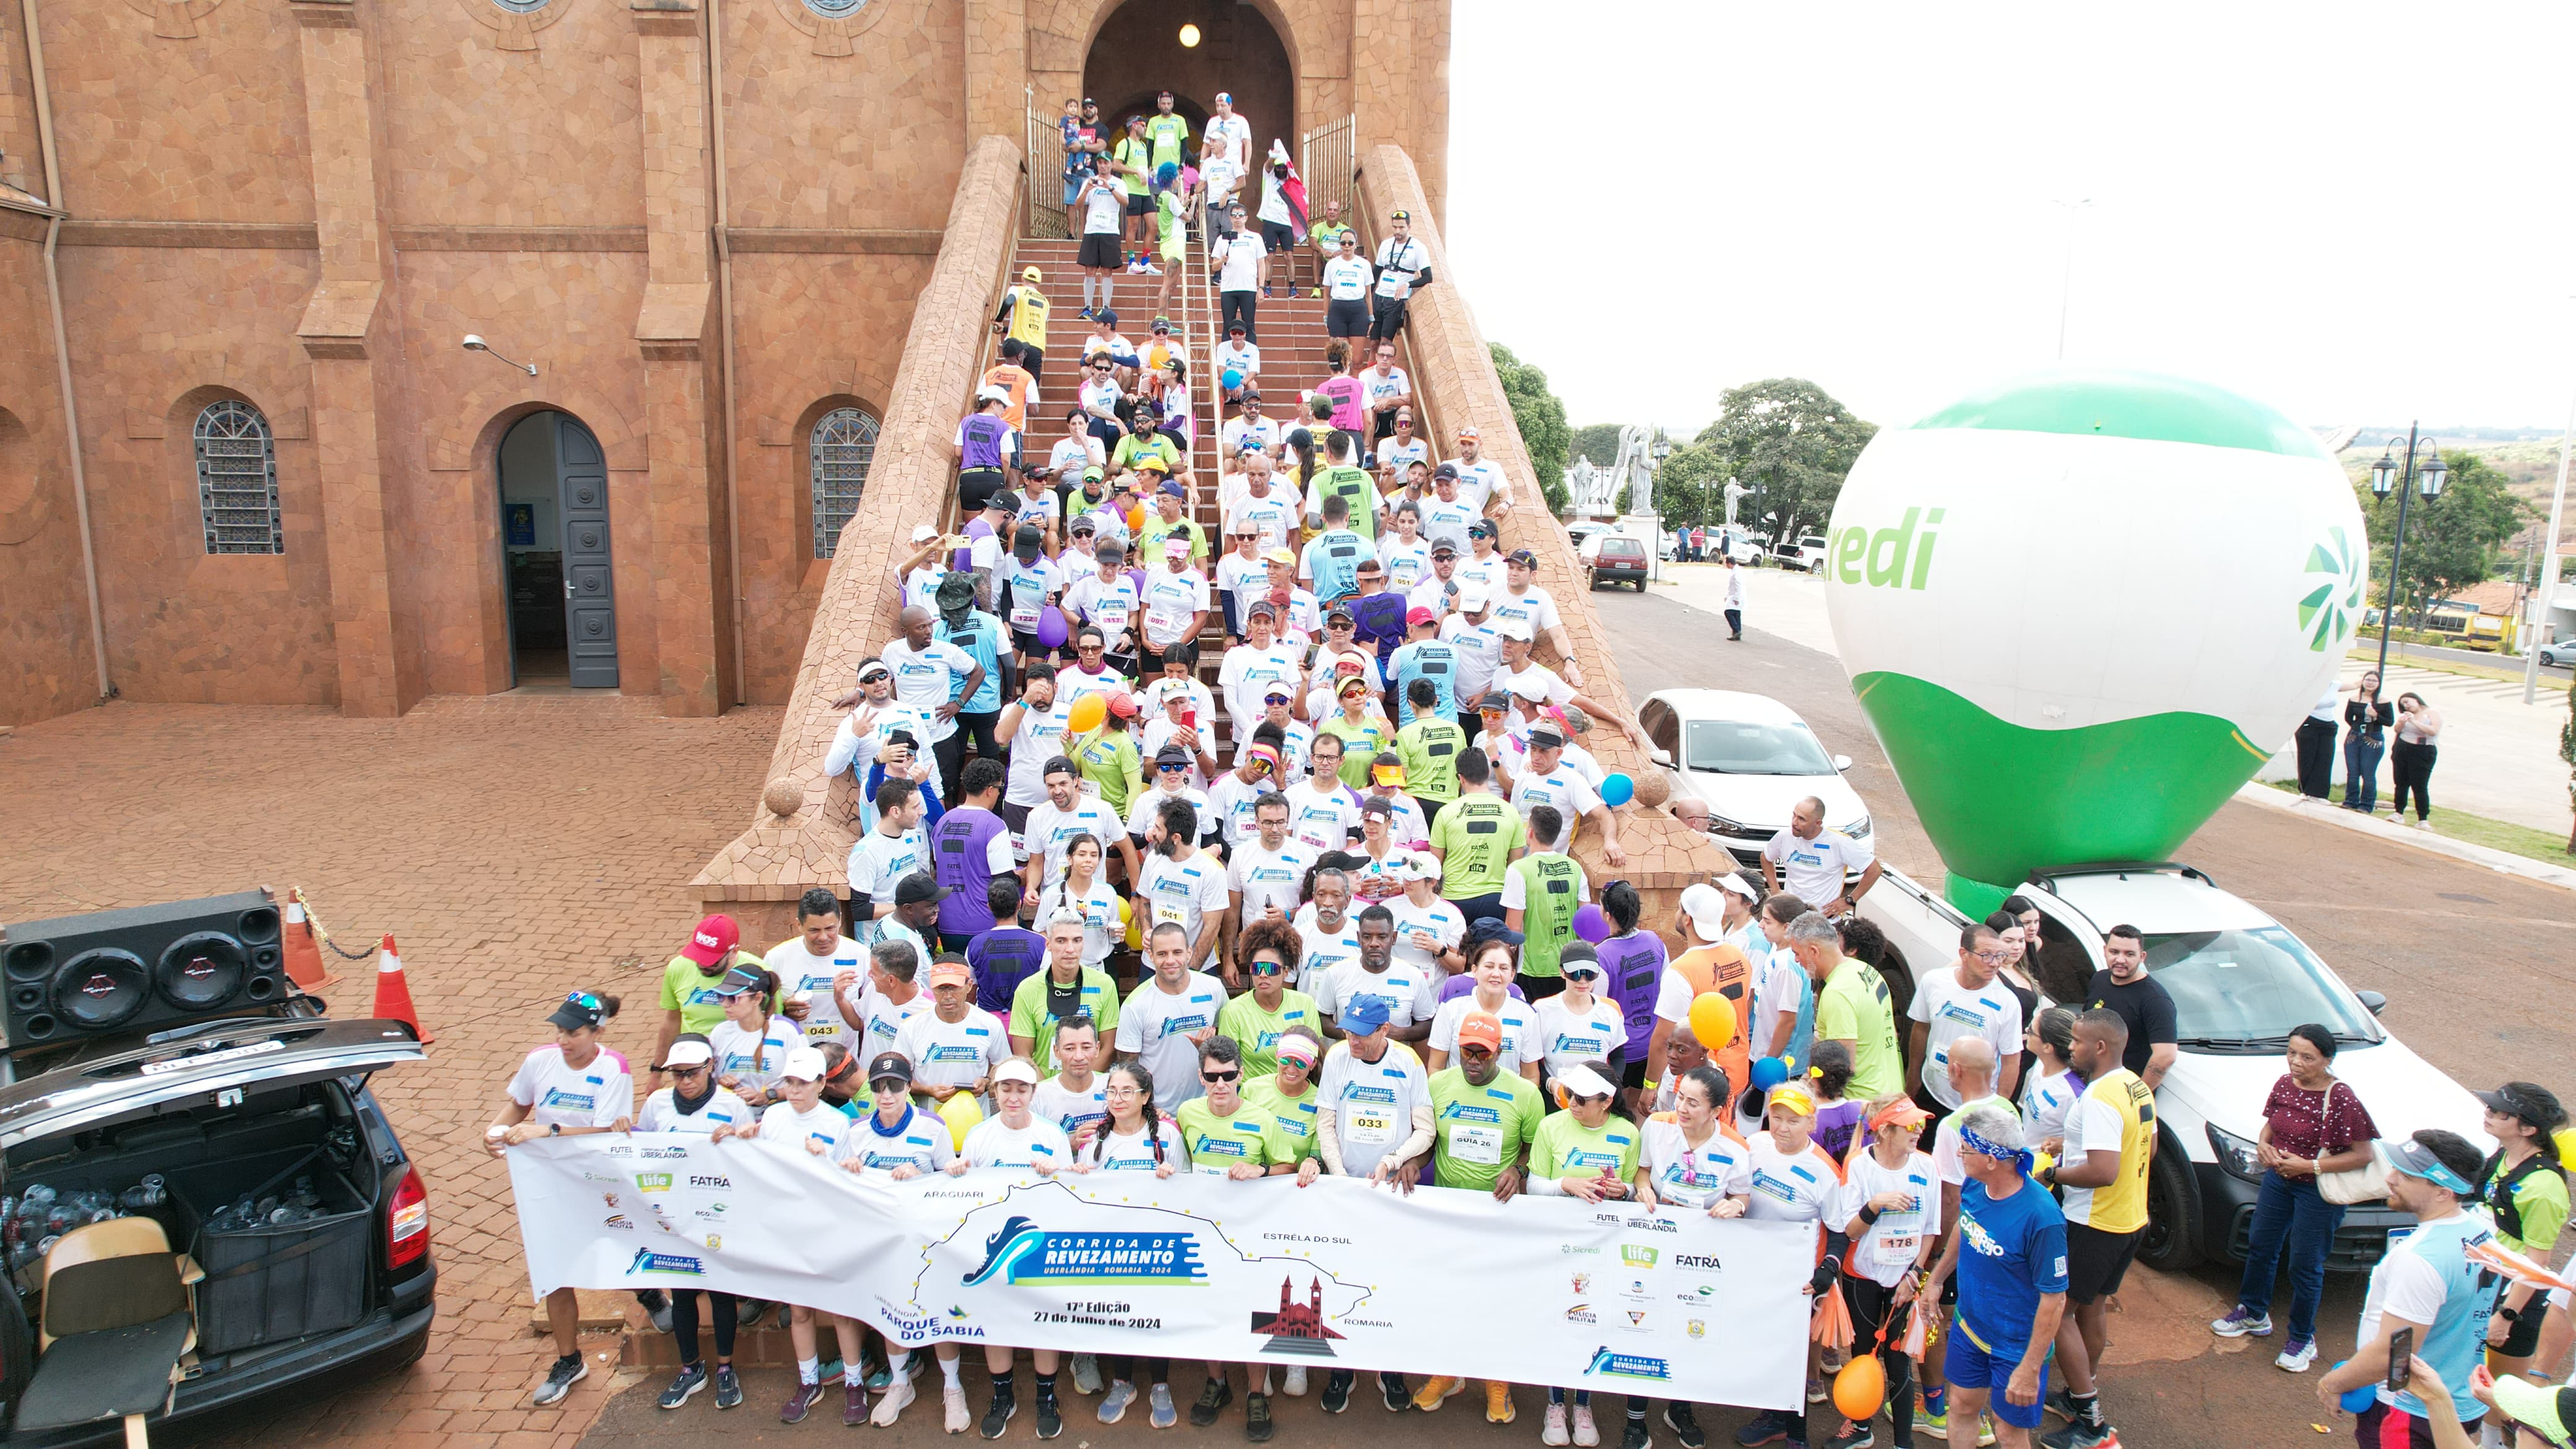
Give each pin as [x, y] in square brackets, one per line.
[2357, 212]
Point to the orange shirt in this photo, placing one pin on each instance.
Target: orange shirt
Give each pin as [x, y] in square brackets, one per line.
[1017, 382]
[1721, 968]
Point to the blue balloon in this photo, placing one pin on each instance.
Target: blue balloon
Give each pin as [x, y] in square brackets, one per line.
[1233, 378]
[1617, 790]
[1769, 1072]
[2358, 1397]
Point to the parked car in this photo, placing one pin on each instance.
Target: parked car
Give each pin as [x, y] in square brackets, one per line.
[1583, 530]
[1614, 558]
[2562, 651]
[265, 1106]
[1750, 759]
[2240, 981]
[1806, 555]
[1744, 547]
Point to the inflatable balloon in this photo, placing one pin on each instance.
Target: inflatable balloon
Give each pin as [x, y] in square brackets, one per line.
[961, 1112]
[1136, 519]
[1591, 925]
[2081, 608]
[1087, 713]
[1860, 1388]
[1767, 1073]
[1617, 789]
[1233, 378]
[1051, 631]
[1712, 1020]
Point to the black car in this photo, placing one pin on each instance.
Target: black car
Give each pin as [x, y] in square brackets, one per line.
[1617, 559]
[182, 1126]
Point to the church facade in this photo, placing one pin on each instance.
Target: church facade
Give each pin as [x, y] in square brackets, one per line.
[246, 451]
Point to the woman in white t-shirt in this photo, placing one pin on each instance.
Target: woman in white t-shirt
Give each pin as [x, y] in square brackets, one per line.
[570, 1087]
[750, 1044]
[2049, 1093]
[1137, 1139]
[1578, 1024]
[694, 1106]
[1794, 1181]
[1492, 969]
[800, 1122]
[1017, 1139]
[1891, 1211]
[1085, 894]
[1694, 1160]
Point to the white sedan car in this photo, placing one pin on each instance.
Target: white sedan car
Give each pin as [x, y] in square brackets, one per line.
[1750, 759]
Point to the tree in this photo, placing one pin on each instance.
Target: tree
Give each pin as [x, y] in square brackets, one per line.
[1690, 488]
[1596, 441]
[1540, 416]
[1789, 440]
[2452, 542]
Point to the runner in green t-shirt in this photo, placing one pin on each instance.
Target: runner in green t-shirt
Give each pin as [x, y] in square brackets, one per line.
[689, 1001]
[1289, 1096]
[1355, 488]
[1541, 893]
[1362, 734]
[1061, 989]
[1477, 836]
[1169, 133]
[1266, 951]
[1430, 748]
[1854, 1006]
[1584, 1151]
[1483, 1117]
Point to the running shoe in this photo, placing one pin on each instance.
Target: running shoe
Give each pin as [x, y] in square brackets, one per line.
[1256, 1418]
[693, 1377]
[1113, 1407]
[998, 1414]
[1050, 1417]
[890, 1405]
[1552, 1432]
[879, 1379]
[2241, 1321]
[952, 1403]
[1852, 1436]
[1815, 1391]
[1293, 1383]
[854, 1404]
[1390, 1387]
[1435, 1391]
[1684, 1424]
[1635, 1436]
[1086, 1374]
[800, 1403]
[1498, 1402]
[657, 1307]
[2298, 1356]
[1585, 1435]
[1160, 1412]
[1768, 1427]
[2081, 1435]
[2060, 1402]
[1935, 1422]
[728, 1387]
[1212, 1401]
[1337, 1391]
[566, 1372]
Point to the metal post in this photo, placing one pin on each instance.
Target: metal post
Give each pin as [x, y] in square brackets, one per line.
[2548, 589]
[2396, 550]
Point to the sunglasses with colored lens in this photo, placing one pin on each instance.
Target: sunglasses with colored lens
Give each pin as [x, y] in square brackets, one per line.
[1268, 968]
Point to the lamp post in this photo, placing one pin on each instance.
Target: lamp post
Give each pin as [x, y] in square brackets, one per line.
[2387, 474]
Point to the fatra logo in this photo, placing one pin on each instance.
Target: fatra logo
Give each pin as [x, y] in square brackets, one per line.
[1887, 558]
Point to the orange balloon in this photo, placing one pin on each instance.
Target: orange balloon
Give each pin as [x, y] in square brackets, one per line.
[1860, 1388]
[1712, 1020]
[1136, 519]
[1087, 713]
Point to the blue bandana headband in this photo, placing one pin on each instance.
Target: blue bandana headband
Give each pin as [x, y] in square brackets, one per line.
[2021, 1158]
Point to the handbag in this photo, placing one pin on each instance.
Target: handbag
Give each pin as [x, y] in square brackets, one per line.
[2354, 1185]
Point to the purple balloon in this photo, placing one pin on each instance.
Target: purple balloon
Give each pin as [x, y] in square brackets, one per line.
[1591, 925]
[1051, 630]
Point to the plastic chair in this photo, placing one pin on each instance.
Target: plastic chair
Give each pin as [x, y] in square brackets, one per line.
[118, 1318]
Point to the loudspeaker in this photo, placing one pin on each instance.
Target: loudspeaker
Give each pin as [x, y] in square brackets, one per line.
[140, 968]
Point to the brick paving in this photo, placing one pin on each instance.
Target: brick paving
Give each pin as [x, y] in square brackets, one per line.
[517, 847]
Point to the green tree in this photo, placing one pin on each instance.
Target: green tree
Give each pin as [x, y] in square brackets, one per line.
[1596, 441]
[1540, 416]
[1791, 442]
[1690, 488]
[2452, 542]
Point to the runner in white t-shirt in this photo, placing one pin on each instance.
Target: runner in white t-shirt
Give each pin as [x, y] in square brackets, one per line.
[1696, 1161]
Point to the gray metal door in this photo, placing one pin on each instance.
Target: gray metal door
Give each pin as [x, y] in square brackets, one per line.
[590, 602]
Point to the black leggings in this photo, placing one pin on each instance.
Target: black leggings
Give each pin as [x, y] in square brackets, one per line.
[1123, 1366]
[684, 1323]
[977, 729]
[1869, 1309]
[2411, 764]
[1240, 306]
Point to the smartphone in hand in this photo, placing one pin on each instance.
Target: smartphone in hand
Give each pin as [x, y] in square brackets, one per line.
[2401, 1353]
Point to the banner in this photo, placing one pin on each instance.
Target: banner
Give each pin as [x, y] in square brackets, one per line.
[1336, 1275]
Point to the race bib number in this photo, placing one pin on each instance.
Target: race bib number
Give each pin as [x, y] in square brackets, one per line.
[1212, 1168]
[1477, 1143]
[1168, 913]
[1024, 617]
[1164, 623]
[1372, 1126]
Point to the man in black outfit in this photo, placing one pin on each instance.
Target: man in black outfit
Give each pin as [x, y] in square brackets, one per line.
[2316, 744]
[2140, 1001]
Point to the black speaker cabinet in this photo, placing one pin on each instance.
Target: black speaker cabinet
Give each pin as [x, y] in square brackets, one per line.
[141, 968]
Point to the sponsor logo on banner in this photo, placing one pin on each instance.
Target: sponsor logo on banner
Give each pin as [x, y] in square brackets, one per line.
[714, 1244]
[718, 1181]
[1582, 1282]
[619, 1222]
[1611, 1364]
[1022, 1252]
[1637, 1225]
[1571, 1251]
[1698, 1260]
[1581, 1313]
[648, 1261]
[1636, 1256]
[1636, 1318]
[653, 1182]
[1697, 1328]
[662, 1154]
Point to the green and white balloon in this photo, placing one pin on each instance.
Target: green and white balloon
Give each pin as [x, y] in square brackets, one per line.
[2083, 607]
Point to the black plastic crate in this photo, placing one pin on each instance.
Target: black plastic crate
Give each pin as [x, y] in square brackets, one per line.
[267, 1284]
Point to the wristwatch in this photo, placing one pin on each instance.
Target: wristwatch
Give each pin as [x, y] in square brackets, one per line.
[554, 1129]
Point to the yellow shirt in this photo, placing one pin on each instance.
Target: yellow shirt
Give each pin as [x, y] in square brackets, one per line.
[2118, 1102]
[1028, 317]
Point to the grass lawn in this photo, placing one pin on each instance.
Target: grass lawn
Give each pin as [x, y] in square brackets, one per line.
[2502, 835]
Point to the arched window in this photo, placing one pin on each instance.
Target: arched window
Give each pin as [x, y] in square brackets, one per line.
[843, 445]
[237, 480]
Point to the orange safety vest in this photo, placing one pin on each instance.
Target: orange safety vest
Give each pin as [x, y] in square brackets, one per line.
[1722, 968]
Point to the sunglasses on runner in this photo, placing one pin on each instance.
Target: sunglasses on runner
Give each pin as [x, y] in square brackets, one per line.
[1232, 1076]
[1268, 968]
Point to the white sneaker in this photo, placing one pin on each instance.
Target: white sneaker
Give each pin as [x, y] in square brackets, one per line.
[2297, 1357]
[1149, 269]
[1552, 1433]
[1585, 1436]
[891, 1403]
[1293, 1382]
[953, 1399]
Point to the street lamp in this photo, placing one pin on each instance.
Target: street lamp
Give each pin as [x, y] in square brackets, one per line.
[2389, 475]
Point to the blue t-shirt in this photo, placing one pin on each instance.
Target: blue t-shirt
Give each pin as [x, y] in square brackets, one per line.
[1425, 659]
[1333, 562]
[2011, 1251]
[1001, 959]
[981, 638]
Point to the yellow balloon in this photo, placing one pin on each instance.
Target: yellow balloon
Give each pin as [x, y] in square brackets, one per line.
[962, 1113]
[1087, 713]
[1712, 1020]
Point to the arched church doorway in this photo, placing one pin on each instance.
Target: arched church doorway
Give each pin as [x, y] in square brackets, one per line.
[555, 554]
[1139, 51]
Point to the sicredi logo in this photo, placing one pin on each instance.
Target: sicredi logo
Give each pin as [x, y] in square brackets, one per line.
[1880, 559]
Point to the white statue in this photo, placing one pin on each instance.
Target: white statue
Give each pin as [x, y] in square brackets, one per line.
[1635, 469]
[1734, 492]
[1590, 489]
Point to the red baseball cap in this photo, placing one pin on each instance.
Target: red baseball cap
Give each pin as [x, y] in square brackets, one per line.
[1415, 617]
[713, 941]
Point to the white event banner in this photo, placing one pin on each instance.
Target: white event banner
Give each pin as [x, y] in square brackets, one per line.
[1335, 1275]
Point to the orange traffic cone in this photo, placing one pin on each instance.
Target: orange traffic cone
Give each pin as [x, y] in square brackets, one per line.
[393, 993]
[304, 964]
